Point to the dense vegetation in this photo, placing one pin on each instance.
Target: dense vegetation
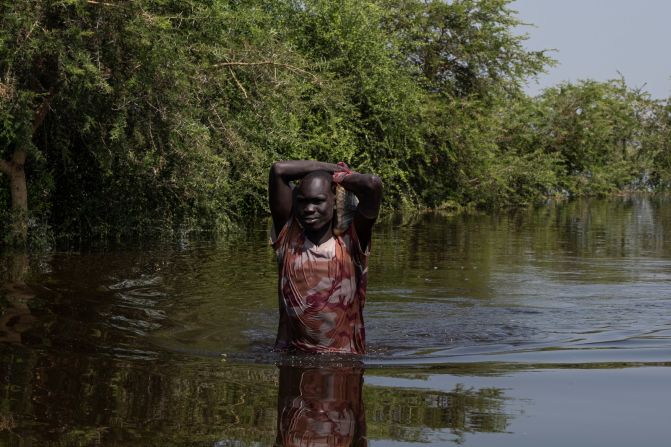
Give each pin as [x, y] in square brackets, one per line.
[122, 118]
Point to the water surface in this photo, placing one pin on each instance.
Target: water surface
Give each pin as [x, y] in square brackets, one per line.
[545, 326]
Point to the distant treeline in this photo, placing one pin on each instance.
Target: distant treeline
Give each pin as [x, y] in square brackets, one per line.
[130, 118]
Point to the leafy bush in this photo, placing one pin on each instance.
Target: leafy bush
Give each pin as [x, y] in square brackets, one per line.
[156, 116]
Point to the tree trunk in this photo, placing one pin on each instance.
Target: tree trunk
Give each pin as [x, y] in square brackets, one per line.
[19, 194]
[15, 170]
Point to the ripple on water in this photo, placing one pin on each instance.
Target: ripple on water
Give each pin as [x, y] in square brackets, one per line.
[551, 281]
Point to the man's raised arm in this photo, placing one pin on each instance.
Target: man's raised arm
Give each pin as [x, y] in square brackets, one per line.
[368, 189]
[279, 189]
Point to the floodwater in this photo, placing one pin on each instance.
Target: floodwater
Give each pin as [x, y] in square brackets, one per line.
[548, 326]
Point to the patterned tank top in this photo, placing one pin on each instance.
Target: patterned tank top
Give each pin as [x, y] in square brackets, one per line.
[322, 291]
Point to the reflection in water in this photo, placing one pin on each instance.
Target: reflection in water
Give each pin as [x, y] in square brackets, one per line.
[562, 276]
[320, 406]
[56, 399]
[399, 410]
[15, 318]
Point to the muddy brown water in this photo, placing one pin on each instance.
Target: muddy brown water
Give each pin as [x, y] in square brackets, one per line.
[549, 326]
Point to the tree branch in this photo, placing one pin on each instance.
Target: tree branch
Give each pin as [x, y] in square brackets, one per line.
[275, 64]
[92, 2]
[235, 78]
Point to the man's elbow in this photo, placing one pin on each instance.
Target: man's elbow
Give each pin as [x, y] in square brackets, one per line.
[375, 184]
[278, 169]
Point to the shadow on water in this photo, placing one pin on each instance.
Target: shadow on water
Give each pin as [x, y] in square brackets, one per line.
[473, 322]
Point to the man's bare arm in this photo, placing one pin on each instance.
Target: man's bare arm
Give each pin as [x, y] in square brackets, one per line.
[279, 187]
[368, 189]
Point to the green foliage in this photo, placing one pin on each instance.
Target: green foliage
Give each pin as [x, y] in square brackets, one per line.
[464, 48]
[157, 116]
[470, 65]
[604, 134]
[656, 147]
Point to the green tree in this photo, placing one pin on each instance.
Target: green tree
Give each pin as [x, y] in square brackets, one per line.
[368, 109]
[137, 116]
[471, 65]
[601, 132]
[31, 76]
[656, 146]
[464, 47]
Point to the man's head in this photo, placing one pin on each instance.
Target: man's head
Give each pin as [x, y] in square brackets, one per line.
[314, 201]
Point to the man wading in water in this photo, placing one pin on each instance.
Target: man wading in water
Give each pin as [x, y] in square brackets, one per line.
[322, 276]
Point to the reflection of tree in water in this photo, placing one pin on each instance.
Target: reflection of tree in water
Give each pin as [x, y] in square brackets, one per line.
[15, 316]
[411, 415]
[68, 399]
[80, 399]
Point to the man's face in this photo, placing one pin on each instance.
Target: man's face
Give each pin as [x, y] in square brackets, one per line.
[314, 204]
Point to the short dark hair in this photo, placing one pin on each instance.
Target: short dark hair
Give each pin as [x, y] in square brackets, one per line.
[319, 174]
[325, 175]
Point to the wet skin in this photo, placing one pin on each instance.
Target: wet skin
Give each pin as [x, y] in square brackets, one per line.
[314, 208]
